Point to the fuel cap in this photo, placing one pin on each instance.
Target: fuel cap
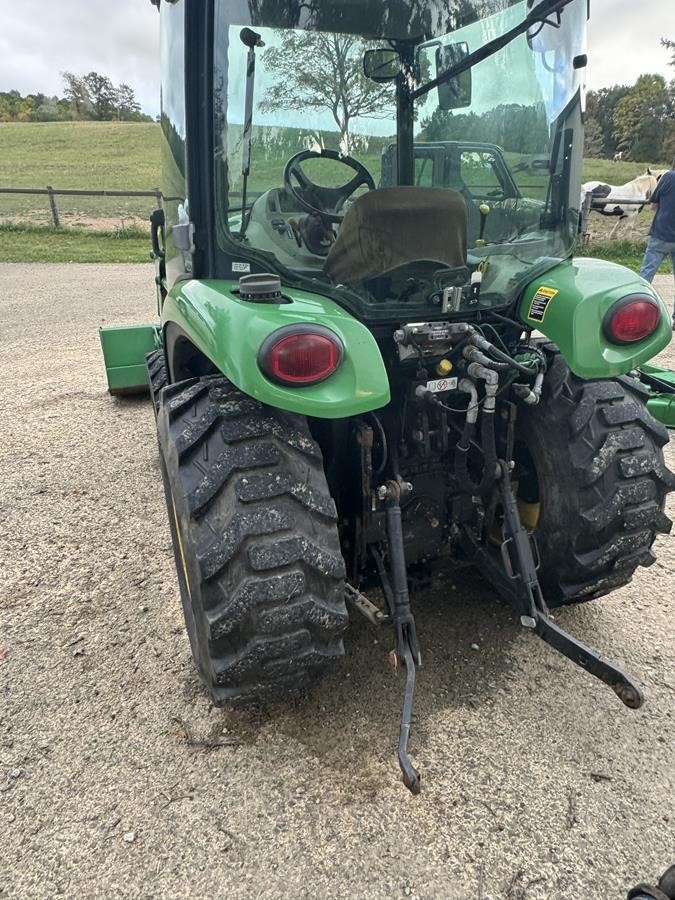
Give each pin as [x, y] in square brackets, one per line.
[264, 288]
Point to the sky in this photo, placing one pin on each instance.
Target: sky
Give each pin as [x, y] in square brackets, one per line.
[119, 38]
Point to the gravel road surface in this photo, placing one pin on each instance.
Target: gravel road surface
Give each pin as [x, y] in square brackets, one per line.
[117, 777]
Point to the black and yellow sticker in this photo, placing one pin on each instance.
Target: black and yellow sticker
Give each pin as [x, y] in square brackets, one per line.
[540, 303]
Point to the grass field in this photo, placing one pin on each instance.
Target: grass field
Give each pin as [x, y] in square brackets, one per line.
[124, 156]
[85, 155]
[40, 243]
[625, 253]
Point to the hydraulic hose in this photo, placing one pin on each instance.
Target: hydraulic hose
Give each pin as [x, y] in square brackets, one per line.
[460, 467]
[487, 428]
[473, 354]
[528, 395]
[487, 439]
[485, 345]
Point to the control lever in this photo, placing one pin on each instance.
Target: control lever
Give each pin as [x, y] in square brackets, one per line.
[484, 211]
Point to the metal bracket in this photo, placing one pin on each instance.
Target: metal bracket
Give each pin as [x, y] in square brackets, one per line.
[183, 236]
[367, 609]
[400, 614]
[521, 569]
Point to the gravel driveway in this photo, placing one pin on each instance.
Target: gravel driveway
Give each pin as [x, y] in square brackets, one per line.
[118, 779]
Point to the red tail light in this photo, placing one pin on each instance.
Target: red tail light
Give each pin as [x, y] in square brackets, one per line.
[300, 355]
[631, 319]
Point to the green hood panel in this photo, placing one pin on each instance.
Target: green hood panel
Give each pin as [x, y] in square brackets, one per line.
[568, 305]
[230, 331]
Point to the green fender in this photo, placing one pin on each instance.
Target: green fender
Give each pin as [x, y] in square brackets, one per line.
[568, 305]
[230, 331]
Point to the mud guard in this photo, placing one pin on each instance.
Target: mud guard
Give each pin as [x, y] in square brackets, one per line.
[568, 305]
[230, 331]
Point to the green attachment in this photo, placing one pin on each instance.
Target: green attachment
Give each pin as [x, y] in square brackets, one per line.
[124, 350]
[569, 303]
[661, 385]
[662, 407]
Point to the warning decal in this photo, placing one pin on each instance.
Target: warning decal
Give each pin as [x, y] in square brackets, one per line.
[443, 384]
[540, 303]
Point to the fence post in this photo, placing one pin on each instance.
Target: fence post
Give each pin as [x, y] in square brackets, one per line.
[585, 215]
[52, 203]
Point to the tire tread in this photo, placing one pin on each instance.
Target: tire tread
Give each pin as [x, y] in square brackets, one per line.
[266, 571]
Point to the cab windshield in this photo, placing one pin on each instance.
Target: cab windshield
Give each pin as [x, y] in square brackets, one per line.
[343, 184]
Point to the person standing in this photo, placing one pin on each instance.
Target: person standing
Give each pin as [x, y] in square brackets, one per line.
[661, 242]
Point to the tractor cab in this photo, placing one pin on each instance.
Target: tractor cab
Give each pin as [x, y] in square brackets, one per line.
[306, 108]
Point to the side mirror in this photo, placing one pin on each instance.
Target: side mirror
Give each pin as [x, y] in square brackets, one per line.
[456, 92]
[381, 65]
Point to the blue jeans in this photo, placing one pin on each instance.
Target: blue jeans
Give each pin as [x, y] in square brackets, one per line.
[655, 253]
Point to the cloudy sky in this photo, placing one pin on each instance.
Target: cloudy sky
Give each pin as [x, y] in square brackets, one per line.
[119, 38]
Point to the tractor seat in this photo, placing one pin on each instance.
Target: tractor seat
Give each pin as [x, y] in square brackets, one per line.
[391, 227]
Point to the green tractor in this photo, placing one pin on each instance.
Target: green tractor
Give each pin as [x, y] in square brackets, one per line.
[377, 358]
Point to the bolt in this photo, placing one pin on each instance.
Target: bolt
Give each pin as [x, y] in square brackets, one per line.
[382, 492]
[407, 486]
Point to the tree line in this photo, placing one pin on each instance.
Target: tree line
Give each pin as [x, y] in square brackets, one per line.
[516, 128]
[636, 120]
[91, 97]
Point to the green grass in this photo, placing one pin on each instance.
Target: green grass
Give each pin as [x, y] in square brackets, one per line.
[626, 253]
[84, 155]
[119, 156]
[39, 243]
[616, 172]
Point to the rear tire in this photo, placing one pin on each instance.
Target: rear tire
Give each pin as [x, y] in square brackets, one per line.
[591, 455]
[255, 540]
[155, 364]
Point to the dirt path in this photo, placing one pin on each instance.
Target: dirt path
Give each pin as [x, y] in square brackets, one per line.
[117, 779]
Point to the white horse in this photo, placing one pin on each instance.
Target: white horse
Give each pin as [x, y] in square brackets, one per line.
[626, 201]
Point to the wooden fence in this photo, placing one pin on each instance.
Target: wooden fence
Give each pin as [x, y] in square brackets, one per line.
[53, 193]
[587, 209]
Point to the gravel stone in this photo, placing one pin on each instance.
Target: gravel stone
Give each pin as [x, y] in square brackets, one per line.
[131, 735]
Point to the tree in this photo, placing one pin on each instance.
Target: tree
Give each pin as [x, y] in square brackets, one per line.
[103, 95]
[669, 45]
[126, 105]
[593, 143]
[601, 106]
[323, 71]
[77, 102]
[516, 128]
[641, 116]
[77, 94]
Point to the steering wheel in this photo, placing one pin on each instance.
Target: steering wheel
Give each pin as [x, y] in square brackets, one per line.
[324, 201]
